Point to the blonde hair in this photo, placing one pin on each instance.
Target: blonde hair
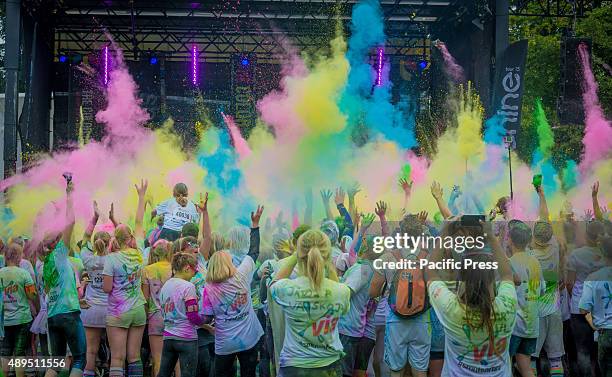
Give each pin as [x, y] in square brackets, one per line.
[13, 254]
[218, 242]
[123, 235]
[182, 260]
[313, 253]
[220, 267]
[101, 241]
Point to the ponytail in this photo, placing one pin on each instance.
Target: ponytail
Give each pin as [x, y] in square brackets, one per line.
[315, 267]
[313, 253]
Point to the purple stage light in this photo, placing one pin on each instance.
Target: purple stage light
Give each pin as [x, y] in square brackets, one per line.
[194, 65]
[379, 68]
[106, 65]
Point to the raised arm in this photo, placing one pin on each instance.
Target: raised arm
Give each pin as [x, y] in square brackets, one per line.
[438, 193]
[92, 224]
[352, 193]
[381, 212]
[596, 208]
[206, 232]
[326, 197]
[142, 191]
[254, 242]
[67, 232]
[366, 221]
[339, 199]
[111, 215]
[453, 199]
[308, 210]
[407, 189]
[543, 211]
[503, 263]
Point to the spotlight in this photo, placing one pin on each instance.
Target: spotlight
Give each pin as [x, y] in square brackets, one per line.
[63, 58]
[244, 61]
[423, 64]
[194, 65]
[153, 60]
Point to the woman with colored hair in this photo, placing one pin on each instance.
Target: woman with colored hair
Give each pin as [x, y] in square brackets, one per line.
[154, 277]
[313, 305]
[126, 318]
[478, 319]
[94, 307]
[227, 297]
[179, 304]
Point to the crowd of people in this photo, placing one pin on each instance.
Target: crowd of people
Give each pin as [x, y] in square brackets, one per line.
[305, 299]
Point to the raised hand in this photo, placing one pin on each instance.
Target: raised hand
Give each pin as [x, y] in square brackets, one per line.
[96, 209]
[588, 215]
[367, 220]
[436, 190]
[142, 188]
[353, 190]
[326, 195]
[339, 197]
[203, 203]
[111, 213]
[406, 185]
[256, 216]
[422, 217]
[381, 209]
[595, 189]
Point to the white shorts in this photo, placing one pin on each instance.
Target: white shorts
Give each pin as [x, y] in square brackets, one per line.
[94, 316]
[551, 336]
[408, 340]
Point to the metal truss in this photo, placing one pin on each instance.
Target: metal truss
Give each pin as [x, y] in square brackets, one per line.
[223, 28]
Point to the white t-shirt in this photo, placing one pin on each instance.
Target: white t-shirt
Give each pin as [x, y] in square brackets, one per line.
[172, 298]
[583, 261]
[236, 325]
[94, 264]
[175, 216]
[357, 278]
[467, 351]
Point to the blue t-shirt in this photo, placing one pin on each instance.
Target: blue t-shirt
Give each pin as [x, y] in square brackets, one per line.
[60, 282]
[175, 215]
[596, 297]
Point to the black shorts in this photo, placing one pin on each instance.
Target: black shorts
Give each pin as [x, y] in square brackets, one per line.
[524, 346]
[16, 340]
[169, 235]
[332, 370]
[357, 353]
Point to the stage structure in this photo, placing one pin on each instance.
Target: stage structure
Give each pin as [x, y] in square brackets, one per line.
[223, 54]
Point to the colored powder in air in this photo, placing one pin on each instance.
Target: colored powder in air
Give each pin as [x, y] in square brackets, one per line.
[546, 139]
[570, 175]
[469, 120]
[451, 67]
[405, 173]
[597, 131]
[242, 148]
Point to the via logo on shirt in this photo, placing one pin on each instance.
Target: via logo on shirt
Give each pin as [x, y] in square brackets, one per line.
[326, 324]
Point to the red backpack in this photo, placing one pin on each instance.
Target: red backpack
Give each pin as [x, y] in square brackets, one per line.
[408, 292]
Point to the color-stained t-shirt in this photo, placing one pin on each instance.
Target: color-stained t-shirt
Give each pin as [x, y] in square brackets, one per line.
[311, 317]
[583, 261]
[597, 297]
[370, 325]
[236, 325]
[24, 263]
[125, 267]
[549, 264]
[40, 284]
[172, 297]
[527, 268]
[467, 352]
[15, 281]
[94, 265]
[358, 278]
[60, 282]
[175, 216]
[155, 276]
